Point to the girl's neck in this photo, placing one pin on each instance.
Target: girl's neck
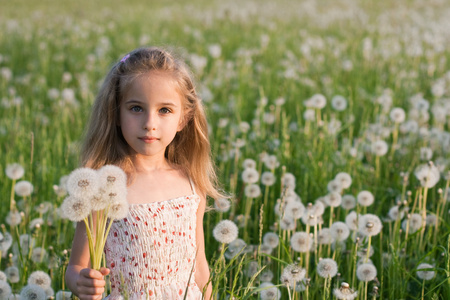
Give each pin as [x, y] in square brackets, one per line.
[148, 164]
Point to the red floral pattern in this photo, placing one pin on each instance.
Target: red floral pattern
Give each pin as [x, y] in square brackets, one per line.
[152, 251]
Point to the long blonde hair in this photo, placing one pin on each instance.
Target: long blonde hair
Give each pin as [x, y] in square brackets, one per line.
[190, 149]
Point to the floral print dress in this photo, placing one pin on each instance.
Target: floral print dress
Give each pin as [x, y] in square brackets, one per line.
[151, 253]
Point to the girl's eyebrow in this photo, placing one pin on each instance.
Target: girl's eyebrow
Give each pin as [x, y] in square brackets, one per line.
[140, 102]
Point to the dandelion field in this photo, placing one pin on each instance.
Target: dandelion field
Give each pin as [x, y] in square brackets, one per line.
[330, 128]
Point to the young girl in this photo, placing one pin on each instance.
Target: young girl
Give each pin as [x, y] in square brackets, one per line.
[148, 120]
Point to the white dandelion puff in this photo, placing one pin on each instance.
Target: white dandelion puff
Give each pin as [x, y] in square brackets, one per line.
[13, 274]
[395, 213]
[63, 295]
[271, 239]
[5, 290]
[269, 291]
[339, 103]
[14, 171]
[118, 209]
[13, 218]
[345, 179]
[293, 273]
[340, 231]
[222, 205]
[50, 293]
[40, 278]
[301, 242]
[369, 225]
[379, 148]
[23, 188]
[287, 223]
[327, 267]
[83, 183]
[37, 222]
[44, 207]
[366, 272]
[249, 163]
[33, 292]
[352, 221]
[266, 276]
[225, 231]
[333, 199]
[316, 101]
[234, 248]
[3, 276]
[5, 242]
[76, 209]
[427, 174]
[431, 219]
[294, 210]
[111, 176]
[250, 175]
[425, 274]
[348, 202]
[325, 237]
[38, 255]
[365, 198]
[363, 252]
[289, 181]
[252, 269]
[414, 222]
[268, 178]
[334, 186]
[271, 162]
[252, 191]
[345, 292]
[397, 115]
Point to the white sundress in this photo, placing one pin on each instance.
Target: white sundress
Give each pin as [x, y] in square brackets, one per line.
[151, 253]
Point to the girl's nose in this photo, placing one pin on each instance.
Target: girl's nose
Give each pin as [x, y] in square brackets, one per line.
[149, 122]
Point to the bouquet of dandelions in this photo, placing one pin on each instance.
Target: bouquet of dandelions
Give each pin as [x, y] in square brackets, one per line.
[96, 197]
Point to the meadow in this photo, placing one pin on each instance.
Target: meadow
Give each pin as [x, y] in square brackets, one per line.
[329, 122]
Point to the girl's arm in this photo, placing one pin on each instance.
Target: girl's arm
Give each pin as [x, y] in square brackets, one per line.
[84, 282]
[201, 265]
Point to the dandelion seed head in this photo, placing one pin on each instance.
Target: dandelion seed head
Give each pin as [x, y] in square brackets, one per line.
[112, 176]
[293, 273]
[249, 164]
[301, 242]
[288, 223]
[49, 293]
[63, 295]
[235, 247]
[32, 292]
[266, 276]
[23, 188]
[366, 272]
[327, 267]
[345, 179]
[251, 269]
[222, 205]
[325, 237]
[428, 175]
[3, 276]
[309, 114]
[225, 231]
[345, 292]
[414, 222]
[271, 162]
[316, 101]
[250, 175]
[13, 274]
[35, 223]
[38, 255]
[40, 278]
[14, 171]
[289, 181]
[431, 219]
[379, 148]
[348, 202]
[334, 186]
[339, 103]
[83, 183]
[365, 198]
[75, 209]
[397, 115]
[363, 252]
[118, 209]
[13, 218]
[333, 199]
[252, 191]
[425, 275]
[268, 178]
[340, 231]
[395, 213]
[271, 239]
[369, 225]
[5, 242]
[269, 292]
[294, 210]
[5, 289]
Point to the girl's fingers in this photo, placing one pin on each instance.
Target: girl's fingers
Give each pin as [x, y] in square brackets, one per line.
[92, 291]
[104, 271]
[88, 282]
[91, 273]
[90, 297]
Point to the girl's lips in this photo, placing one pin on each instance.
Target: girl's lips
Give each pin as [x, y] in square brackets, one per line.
[148, 139]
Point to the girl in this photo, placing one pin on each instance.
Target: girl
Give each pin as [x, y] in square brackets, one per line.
[148, 119]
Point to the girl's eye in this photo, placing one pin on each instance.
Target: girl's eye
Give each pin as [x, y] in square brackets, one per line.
[164, 110]
[136, 109]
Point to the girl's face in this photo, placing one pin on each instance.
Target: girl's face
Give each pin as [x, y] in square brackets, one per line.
[151, 113]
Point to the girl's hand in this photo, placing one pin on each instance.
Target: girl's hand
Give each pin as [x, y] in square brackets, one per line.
[90, 283]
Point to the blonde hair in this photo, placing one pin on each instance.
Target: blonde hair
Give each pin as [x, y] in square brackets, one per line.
[190, 149]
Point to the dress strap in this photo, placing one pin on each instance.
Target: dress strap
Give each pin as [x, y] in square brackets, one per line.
[192, 185]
